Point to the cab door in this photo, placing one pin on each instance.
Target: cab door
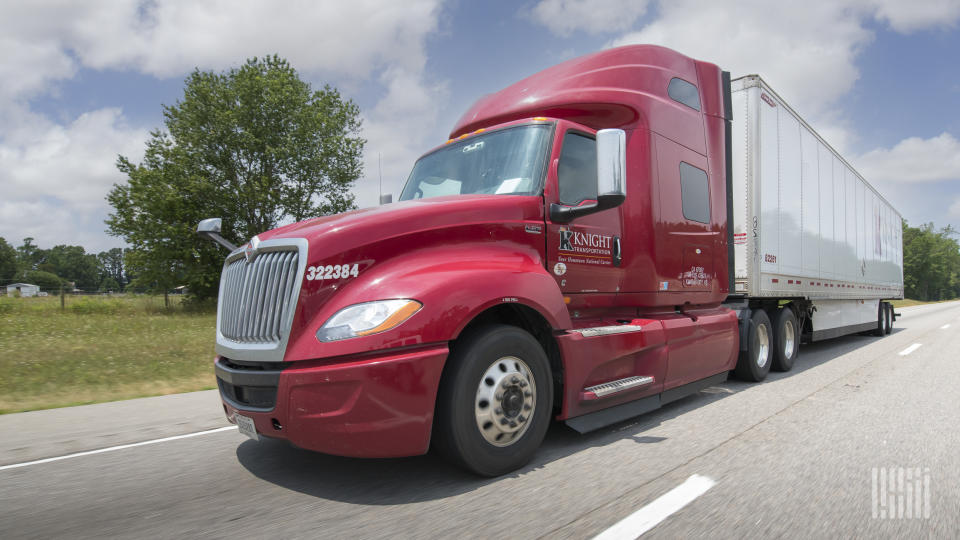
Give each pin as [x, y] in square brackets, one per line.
[584, 254]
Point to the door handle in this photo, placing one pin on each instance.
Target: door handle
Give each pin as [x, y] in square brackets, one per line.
[616, 251]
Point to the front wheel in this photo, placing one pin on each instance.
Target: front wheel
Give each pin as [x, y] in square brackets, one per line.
[494, 402]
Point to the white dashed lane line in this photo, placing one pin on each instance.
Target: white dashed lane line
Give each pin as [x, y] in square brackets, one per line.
[944, 327]
[650, 515]
[113, 448]
[910, 349]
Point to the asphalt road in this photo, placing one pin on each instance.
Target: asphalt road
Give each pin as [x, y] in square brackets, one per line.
[795, 456]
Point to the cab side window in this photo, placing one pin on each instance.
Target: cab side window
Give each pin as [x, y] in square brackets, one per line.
[681, 91]
[577, 169]
[695, 193]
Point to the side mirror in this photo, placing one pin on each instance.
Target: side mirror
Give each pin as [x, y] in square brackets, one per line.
[611, 181]
[210, 229]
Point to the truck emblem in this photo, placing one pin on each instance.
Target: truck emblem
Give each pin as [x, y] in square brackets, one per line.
[559, 269]
[250, 252]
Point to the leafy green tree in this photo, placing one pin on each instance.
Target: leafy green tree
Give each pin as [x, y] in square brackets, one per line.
[73, 263]
[931, 262]
[29, 256]
[111, 265]
[8, 262]
[45, 280]
[255, 146]
[109, 284]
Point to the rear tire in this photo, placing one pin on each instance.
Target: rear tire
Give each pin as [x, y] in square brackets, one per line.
[881, 321]
[889, 317]
[494, 402]
[754, 363]
[786, 340]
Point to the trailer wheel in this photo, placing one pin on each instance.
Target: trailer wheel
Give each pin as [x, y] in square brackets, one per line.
[881, 321]
[494, 402]
[754, 363]
[786, 340]
[889, 316]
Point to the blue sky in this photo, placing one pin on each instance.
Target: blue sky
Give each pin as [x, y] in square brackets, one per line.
[83, 82]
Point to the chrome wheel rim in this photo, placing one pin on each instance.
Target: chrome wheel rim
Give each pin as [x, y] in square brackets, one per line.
[506, 401]
[789, 334]
[763, 340]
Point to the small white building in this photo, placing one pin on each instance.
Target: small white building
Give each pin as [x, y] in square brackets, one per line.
[25, 289]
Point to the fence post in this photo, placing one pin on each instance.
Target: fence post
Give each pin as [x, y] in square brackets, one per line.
[63, 299]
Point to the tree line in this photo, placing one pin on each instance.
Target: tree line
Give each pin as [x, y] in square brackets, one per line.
[931, 262]
[69, 266]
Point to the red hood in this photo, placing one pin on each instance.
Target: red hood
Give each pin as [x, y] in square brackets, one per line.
[335, 234]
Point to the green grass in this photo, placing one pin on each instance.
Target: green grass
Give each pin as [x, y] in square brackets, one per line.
[101, 349]
[907, 302]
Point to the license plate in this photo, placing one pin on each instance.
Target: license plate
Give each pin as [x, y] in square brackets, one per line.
[247, 427]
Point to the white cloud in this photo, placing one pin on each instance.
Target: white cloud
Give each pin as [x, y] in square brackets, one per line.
[61, 172]
[915, 15]
[955, 209]
[563, 17]
[913, 160]
[806, 50]
[172, 37]
[398, 130]
[55, 177]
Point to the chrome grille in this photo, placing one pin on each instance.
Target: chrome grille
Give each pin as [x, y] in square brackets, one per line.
[256, 296]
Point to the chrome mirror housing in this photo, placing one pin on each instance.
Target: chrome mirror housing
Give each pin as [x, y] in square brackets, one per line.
[210, 229]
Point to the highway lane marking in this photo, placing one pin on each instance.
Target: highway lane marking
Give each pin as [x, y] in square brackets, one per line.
[944, 327]
[112, 448]
[663, 507]
[910, 349]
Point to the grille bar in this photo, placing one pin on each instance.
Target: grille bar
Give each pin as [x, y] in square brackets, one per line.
[257, 295]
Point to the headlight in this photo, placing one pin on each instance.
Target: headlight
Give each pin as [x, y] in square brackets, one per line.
[367, 318]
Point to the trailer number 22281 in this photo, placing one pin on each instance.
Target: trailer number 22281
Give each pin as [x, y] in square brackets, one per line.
[336, 271]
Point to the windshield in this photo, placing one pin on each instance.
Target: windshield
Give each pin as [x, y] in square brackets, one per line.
[508, 162]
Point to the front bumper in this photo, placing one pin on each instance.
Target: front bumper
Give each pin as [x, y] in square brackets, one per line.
[376, 406]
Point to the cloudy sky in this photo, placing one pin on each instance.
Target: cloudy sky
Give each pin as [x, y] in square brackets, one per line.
[81, 82]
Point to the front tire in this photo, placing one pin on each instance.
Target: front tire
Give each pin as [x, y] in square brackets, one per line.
[754, 363]
[494, 402]
[786, 340]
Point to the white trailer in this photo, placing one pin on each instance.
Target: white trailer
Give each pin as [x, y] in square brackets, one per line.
[807, 227]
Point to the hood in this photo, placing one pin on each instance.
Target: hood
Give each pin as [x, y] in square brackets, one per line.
[331, 235]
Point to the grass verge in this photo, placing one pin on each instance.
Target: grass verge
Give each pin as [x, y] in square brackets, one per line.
[907, 302]
[100, 349]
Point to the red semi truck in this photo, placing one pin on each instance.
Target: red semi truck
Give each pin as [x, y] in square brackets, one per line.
[593, 242]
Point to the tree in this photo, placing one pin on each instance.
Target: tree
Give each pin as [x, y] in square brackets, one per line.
[931, 262]
[111, 265]
[109, 285]
[29, 255]
[8, 261]
[72, 263]
[45, 280]
[254, 146]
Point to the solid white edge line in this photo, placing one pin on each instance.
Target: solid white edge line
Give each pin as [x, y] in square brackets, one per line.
[660, 509]
[910, 349]
[112, 448]
[944, 327]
